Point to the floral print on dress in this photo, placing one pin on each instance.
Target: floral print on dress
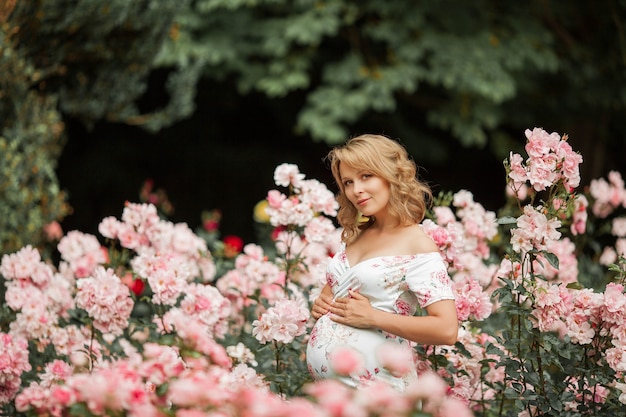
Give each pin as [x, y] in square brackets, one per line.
[396, 284]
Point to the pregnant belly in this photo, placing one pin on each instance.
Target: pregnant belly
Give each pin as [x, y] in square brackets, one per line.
[328, 335]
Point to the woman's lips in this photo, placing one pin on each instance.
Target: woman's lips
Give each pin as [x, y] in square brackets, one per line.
[363, 201]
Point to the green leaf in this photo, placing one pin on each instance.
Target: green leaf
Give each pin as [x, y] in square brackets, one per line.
[553, 260]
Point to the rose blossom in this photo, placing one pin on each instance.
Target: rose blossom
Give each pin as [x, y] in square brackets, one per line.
[55, 372]
[241, 354]
[275, 199]
[579, 216]
[539, 142]
[534, 230]
[209, 305]
[542, 172]
[443, 215]
[106, 299]
[472, 302]
[607, 195]
[608, 256]
[53, 231]
[167, 275]
[282, 322]
[346, 361]
[318, 229]
[13, 362]
[518, 172]
[287, 174]
[428, 385]
[318, 197]
[396, 358]
[570, 163]
[618, 227]
[83, 252]
[20, 265]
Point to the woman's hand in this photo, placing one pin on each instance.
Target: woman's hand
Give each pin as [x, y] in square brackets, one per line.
[354, 310]
[321, 305]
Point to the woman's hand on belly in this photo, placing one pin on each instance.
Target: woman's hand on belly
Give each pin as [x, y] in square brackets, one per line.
[355, 311]
[322, 304]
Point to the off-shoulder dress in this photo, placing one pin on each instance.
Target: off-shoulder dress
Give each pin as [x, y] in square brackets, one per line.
[396, 284]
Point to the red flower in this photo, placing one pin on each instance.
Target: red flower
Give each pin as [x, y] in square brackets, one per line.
[137, 286]
[211, 225]
[232, 246]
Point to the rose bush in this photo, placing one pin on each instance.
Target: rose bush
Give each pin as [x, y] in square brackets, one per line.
[156, 319]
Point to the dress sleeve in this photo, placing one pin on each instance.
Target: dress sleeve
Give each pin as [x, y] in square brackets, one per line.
[428, 279]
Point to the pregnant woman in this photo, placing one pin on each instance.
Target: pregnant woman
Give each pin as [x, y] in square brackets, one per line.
[388, 266]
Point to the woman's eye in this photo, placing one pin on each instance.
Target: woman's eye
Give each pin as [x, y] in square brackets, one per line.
[346, 183]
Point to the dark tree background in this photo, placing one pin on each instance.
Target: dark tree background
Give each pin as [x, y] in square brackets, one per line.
[207, 97]
[223, 157]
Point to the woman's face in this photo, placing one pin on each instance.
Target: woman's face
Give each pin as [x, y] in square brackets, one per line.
[367, 192]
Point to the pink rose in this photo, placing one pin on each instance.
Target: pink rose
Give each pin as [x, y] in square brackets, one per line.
[346, 361]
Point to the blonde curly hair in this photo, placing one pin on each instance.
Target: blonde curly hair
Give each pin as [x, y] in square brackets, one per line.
[389, 160]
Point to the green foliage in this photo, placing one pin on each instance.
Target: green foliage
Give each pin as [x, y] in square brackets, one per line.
[97, 55]
[90, 61]
[30, 142]
[456, 64]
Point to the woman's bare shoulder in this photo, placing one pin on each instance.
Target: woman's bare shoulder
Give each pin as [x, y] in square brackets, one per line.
[420, 242]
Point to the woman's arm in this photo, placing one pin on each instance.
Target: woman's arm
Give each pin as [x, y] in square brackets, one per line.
[440, 327]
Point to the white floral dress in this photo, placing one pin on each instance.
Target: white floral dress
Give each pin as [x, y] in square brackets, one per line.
[396, 284]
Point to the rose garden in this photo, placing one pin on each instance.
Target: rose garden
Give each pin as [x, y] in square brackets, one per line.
[151, 318]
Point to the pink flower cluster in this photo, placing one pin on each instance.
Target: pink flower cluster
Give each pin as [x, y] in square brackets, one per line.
[607, 195]
[314, 237]
[193, 334]
[551, 303]
[314, 255]
[82, 252]
[282, 322]
[579, 215]
[142, 230]
[586, 317]
[203, 390]
[469, 383]
[206, 303]
[447, 235]
[428, 394]
[463, 237]
[167, 275]
[106, 300]
[375, 396]
[550, 160]
[13, 362]
[472, 302]
[307, 199]
[479, 225]
[26, 265]
[534, 230]
[39, 296]
[253, 272]
[160, 379]
[567, 272]
[607, 198]
[112, 388]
